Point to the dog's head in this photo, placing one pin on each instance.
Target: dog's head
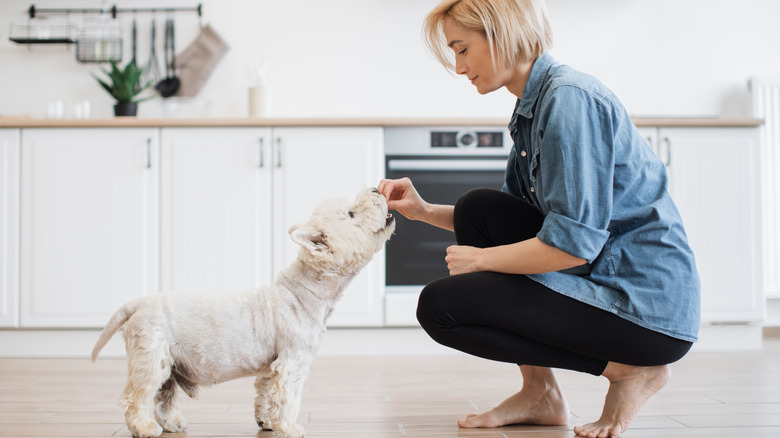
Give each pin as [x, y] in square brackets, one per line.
[341, 237]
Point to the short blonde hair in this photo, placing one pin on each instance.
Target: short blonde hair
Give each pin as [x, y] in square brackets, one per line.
[516, 30]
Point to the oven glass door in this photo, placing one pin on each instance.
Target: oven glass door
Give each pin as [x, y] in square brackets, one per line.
[415, 254]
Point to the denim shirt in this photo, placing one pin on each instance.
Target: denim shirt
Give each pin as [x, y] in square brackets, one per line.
[580, 160]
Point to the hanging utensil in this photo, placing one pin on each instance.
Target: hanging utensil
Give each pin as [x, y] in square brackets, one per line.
[151, 71]
[170, 85]
[134, 36]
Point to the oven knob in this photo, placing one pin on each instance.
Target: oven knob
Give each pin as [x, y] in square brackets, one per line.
[466, 139]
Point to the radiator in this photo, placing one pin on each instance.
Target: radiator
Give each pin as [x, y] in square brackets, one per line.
[765, 92]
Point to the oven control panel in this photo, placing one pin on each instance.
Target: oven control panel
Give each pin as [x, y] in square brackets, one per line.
[467, 139]
[450, 140]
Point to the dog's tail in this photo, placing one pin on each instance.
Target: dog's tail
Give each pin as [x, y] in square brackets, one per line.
[118, 320]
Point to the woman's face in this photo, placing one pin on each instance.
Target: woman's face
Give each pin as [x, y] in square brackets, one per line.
[472, 58]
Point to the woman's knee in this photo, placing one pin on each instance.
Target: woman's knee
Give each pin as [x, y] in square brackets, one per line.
[426, 307]
[431, 307]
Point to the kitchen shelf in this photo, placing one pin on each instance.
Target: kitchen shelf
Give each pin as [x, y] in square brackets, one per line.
[42, 33]
[42, 41]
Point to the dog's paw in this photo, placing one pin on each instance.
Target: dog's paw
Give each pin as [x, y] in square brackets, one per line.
[261, 416]
[147, 429]
[265, 425]
[291, 430]
[174, 423]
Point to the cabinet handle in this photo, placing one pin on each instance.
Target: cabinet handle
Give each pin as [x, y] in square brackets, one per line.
[149, 153]
[668, 160]
[262, 153]
[278, 152]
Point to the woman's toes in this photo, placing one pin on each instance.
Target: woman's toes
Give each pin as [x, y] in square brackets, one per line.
[596, 430]
[482, 420]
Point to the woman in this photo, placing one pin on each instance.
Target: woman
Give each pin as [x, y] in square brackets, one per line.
[581, 261]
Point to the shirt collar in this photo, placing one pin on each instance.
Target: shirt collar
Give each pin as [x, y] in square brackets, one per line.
[533, 86]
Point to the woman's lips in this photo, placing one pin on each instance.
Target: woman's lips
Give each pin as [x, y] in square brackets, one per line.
[475, 78]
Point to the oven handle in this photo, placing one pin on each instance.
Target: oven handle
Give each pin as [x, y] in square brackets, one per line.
[444, 165]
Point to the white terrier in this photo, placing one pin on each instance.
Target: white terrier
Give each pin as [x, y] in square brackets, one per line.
[176, 342]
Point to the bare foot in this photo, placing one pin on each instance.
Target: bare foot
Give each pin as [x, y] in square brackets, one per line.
[540, 401]
[629, 389]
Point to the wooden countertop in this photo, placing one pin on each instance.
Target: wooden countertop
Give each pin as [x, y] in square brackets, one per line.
[23, 122]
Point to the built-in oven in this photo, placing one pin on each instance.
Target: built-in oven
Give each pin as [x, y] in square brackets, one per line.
[443, 163]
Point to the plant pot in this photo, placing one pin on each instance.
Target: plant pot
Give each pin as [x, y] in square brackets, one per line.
[125, 109]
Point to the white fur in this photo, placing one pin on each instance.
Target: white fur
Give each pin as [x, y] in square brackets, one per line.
[177, 342]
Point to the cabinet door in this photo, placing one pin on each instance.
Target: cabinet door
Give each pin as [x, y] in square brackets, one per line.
[314, 164]
[9, 227]
[714, 180]
[90, 214]
[216, 216]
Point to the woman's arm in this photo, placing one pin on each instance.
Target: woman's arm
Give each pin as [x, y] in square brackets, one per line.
[530, 256]
[439, 216]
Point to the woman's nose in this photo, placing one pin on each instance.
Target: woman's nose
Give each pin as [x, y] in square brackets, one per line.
[460, 67]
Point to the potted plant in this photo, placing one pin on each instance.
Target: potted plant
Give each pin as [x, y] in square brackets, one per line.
[125, 85]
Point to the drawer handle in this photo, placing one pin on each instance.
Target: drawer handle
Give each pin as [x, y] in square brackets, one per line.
[278, 152]
[149, 153]
[262, 153]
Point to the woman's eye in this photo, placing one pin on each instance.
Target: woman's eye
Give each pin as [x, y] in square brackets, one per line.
[462, 52]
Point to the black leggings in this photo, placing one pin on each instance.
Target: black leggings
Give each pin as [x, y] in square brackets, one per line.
[511, 318]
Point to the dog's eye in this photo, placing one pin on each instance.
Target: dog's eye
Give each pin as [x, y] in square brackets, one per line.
[352, 214]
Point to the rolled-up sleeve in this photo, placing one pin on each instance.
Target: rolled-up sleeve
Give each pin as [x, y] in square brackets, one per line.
[572, 237]
[575, 172]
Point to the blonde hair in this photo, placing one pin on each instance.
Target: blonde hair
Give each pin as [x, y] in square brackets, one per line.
[516, 30]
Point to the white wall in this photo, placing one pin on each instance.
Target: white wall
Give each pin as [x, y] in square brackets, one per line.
[343, 58]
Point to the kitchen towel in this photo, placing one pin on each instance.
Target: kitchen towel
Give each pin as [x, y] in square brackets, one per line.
[195, 64]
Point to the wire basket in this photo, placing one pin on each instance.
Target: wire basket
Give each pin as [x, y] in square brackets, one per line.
[99, 44]
[42, 33]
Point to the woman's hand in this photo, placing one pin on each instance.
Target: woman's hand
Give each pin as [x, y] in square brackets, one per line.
[463, 259]
[403, 197]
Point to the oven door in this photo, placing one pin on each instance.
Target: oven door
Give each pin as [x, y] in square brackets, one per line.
[415, 254]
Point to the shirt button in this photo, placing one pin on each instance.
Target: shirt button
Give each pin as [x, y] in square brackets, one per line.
[523, 153]
[532, 190]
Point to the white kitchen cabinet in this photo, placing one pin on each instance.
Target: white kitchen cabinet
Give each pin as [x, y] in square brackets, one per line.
[231, 194]
[314, 164]
[90, 215]
[9, 227]
[216, 209]
[714, 179]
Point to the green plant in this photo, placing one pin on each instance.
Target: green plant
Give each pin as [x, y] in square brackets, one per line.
[125, 83]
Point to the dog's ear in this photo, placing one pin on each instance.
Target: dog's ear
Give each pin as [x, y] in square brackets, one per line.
[309, 238]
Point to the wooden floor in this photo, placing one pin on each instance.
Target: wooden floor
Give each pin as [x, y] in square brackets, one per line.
[710, 395]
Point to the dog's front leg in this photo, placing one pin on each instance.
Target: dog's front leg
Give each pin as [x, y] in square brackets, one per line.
[262, 386]
[284, 396]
